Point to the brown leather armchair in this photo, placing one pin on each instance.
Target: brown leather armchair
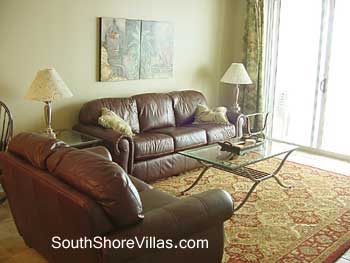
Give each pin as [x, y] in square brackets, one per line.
[54, 190]
[163, 124]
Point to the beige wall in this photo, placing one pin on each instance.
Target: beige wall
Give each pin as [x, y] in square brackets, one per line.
[37, 34]
[233, 46]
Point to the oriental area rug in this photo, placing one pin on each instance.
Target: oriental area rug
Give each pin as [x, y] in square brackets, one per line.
[308, 223]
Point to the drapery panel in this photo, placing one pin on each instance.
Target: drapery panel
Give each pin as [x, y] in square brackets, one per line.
[251, 99]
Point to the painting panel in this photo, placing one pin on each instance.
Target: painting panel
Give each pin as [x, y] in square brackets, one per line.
[157, 50]
[120, 49]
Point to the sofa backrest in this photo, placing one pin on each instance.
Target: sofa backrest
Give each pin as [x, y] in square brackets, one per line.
[155, 111]
[43, 206]
[124, 107]
[185, 104]
[102, 180]
[148, 111]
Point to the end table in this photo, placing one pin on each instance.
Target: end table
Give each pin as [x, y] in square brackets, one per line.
[77, 139]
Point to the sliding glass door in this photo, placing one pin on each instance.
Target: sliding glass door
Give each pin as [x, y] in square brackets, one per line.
[297, 61]
[311, 94]
[336, 126]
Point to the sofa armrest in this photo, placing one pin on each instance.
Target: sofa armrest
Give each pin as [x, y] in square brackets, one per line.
[237, 119]
[176, 221]
[120, 145]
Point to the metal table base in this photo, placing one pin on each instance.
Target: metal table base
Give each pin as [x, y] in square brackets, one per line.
[256, 176]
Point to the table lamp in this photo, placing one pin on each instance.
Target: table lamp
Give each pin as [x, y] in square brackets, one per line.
[236, 74]
[48, 87]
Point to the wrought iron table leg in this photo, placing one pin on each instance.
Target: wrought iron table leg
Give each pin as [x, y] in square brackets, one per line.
[197, 180]
[278, 169]
[246, 197]
[280, 182]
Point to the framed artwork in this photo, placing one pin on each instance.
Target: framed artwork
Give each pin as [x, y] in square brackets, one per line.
[157, 50]
[134, 49]
[120, 49]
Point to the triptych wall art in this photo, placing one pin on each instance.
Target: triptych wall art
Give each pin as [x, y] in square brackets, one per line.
[135, 49]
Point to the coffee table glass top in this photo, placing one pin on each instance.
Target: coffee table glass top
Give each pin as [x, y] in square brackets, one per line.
[211, 154]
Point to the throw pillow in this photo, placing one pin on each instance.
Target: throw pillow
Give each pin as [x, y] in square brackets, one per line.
[109, 119]
[205, 115]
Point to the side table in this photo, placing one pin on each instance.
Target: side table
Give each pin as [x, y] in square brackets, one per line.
[77, 139]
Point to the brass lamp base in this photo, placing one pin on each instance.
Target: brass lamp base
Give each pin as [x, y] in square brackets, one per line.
[50, 133]
[48, 119]
[235, 107]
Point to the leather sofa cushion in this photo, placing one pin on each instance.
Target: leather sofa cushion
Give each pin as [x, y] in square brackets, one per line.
[149, 145]
[163, 167]
[185, 137]
[155, 111]
[216, 132]
[185, 104]
[100, 179]
[34, 148]
[123, 107]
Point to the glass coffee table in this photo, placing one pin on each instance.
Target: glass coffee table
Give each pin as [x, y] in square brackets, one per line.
[211, 156]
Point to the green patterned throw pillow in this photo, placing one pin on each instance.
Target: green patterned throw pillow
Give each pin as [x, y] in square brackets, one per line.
[109, 119]
[205, 115]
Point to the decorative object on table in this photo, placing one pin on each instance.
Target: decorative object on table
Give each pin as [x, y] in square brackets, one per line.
[205, 115]
[133, 49]
[157, 50]
[6, 132]
[240, 147]
[47, 87]
[109, 119]
[236, 74]
[119, 49]
[258, 133]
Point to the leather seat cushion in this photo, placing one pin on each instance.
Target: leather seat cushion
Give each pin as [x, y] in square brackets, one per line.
[185, 137]
[216, 132]
[151, 145]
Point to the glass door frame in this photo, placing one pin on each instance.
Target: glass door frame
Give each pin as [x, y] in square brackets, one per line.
[272, 18]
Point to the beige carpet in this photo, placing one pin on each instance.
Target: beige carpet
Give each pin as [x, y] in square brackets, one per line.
[309, 223]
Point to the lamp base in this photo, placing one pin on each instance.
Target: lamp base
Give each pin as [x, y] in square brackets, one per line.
[48, 111]
[50, 133]
[235, 108]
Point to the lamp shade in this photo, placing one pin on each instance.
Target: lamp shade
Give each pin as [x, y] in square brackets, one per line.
[236, 74]
[48, 86]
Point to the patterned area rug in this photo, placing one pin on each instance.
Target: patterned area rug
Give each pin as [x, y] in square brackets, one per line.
[308, 223]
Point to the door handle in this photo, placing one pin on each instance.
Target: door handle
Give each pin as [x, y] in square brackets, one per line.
[323, 87]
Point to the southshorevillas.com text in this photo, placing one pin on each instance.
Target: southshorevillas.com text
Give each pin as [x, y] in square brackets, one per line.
[99, 242]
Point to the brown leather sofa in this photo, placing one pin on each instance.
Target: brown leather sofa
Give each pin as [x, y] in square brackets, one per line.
[163, 125]
[55, 190]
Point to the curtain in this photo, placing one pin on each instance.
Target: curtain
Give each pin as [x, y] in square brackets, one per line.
[251, 99]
